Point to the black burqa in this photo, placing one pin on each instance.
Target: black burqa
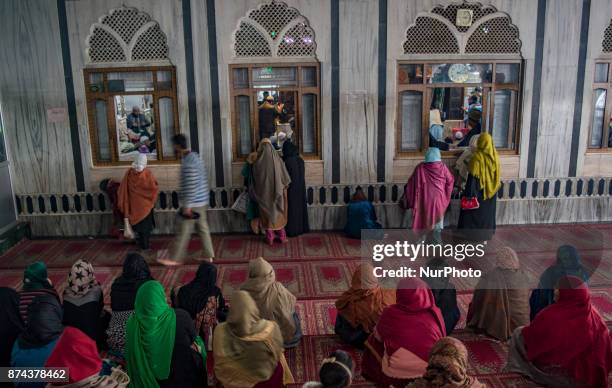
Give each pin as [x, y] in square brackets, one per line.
[445, 295]
[297, 217]
[11, 323]
[123, 291]
[44, 323]
[192, 297]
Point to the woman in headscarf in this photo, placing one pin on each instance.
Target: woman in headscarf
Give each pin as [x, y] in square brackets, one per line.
[336, 371]
[428, 192]
[42, 330]
[482, 183]
[445, 295]
[568, 264]
[567, 344]
[137, 196]
[359, 307]
[249, 349]
[204, 302]
[123, 294]
[83, 302]
[297, 216]
[271, 180]
[501, 299]
[12, 324]
[447, 367]
[162, 347]
[252, 213]
[35, 283]
[360, 215]
[436, 131]
[462, 165]
[78, 352]
[397, 350]
[274, 301]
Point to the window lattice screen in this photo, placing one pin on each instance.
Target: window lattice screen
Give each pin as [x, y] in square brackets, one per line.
[430, 36]
[607, 41]
[450, 12]
[274, 30]
[124, 27]
[497, 36]
[491, 32]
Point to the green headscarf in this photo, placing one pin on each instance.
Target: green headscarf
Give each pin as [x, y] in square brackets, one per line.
[150, 336]
[35, 277]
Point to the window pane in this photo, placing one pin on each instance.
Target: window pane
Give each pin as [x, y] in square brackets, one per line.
[164, 80]
[104, 152]
[130, 81]
[309, 76]
[274, 77]
[459, 72]
[134, 121]
[599, 104]
[96, 82]
[166, 126]
[241, 78]
[507, 73]
[601, 72]
[503, 118]
[411, 113]
[410, 74]
[309, 116]
[243, 118]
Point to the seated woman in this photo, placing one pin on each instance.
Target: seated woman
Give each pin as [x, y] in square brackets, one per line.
[161, 346]
[445, 295]
[428, 192]
[84, 302]
[360, 214]
[568, 264]
[567, 344]
[360, 307]
[36, 342]
[447, 367]
[122, 295]
[406, 332]
[78, 352]
[501, 299]
[249, 349]
[336, 372]
[137, 195]
[12, 325]
[35, 283]
[203, 300]
[274, 301]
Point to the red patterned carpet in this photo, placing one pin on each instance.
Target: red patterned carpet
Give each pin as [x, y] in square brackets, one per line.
[317, 268]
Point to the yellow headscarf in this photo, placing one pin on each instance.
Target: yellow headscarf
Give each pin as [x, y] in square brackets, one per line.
[484, 165]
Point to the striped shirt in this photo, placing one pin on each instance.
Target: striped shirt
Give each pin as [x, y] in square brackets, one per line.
[194, 181]
[27, 297]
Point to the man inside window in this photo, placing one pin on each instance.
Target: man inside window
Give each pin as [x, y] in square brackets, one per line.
[138, 123]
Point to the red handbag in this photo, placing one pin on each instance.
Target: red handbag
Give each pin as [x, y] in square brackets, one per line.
[469, 203]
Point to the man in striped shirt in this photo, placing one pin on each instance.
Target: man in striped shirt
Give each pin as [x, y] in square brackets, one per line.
[194, 197]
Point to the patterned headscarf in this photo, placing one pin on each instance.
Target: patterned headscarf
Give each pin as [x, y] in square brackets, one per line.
[81, 279]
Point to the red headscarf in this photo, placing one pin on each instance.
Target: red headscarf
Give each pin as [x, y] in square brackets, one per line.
[571, 334]
[414, 323]
[428, 194]
[77, 352]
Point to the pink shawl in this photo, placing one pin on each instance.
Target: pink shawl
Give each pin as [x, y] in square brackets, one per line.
[428, 193]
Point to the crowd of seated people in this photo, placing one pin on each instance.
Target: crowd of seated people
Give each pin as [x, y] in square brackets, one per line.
[404, 333]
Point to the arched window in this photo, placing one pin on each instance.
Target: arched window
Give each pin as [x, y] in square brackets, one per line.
[130, 86]
[275, 55]
[600, 135]
[460, 62]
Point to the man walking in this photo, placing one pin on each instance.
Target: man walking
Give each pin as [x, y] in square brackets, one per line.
[194, 195]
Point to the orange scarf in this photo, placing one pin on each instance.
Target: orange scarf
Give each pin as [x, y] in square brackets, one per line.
[137, 195]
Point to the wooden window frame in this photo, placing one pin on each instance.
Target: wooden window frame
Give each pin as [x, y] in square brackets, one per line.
[92, 97]
[251, 92]
[607, 86]
[487, 108]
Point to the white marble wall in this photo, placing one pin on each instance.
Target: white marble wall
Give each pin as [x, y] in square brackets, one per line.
[32, 81]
